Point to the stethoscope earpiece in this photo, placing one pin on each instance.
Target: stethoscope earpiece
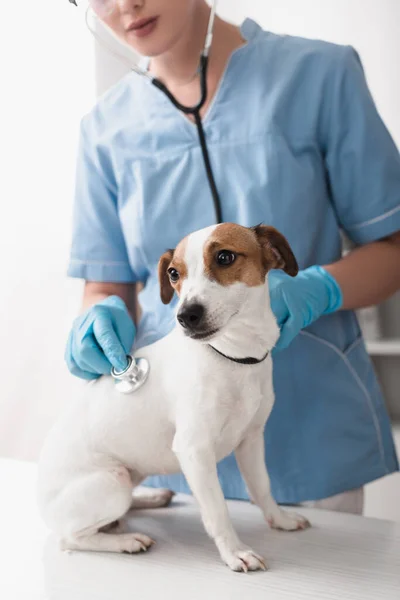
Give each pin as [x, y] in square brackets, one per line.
[133, 377]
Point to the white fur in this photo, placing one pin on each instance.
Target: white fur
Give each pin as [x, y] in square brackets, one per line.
[195, 409]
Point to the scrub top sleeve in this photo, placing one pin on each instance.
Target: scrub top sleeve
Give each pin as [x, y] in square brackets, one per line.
[98, 251]
[363, 163]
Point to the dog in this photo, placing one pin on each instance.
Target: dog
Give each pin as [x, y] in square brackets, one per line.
[209, 393]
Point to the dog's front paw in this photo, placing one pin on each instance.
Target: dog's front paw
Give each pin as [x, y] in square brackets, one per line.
[288, 521]
[244, 560]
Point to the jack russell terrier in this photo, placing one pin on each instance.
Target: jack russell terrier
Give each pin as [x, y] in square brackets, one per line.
[209, 393]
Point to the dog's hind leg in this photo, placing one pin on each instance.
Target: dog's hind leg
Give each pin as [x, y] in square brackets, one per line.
[84, 509]
[131, 543]
[151, 498]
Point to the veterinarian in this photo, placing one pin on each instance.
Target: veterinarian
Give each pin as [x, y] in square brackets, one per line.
[294, 141]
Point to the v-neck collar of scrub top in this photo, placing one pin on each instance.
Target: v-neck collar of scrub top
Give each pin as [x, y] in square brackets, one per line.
[249, 30]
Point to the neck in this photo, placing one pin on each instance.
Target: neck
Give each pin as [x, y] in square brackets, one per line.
[254, 330]
[177, 67]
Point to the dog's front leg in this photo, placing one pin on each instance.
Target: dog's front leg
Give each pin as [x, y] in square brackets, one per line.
[251, 461]
[198, 464]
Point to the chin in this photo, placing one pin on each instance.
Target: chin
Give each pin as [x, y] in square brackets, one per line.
[150, 47]
[202, 336]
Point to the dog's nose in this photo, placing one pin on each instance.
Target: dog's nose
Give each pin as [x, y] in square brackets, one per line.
[190, 316]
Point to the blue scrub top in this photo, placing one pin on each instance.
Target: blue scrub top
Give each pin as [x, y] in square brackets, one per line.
[295, 141]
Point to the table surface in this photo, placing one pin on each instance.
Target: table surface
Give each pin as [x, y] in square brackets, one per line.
[341, 556]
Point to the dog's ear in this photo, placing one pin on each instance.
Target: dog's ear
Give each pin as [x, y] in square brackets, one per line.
[166, 289]
[276, 251]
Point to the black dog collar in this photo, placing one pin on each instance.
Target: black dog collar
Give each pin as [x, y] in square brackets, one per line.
[248, 360]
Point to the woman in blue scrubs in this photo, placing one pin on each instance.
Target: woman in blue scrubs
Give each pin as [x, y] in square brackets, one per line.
[295, 141]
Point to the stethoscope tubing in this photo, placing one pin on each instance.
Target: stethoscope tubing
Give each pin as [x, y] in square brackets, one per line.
[195, 111]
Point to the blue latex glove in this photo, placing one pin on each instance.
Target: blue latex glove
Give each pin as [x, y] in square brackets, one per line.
[299, 301]
[100, 338]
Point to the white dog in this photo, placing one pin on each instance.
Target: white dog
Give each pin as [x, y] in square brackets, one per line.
[209, 393]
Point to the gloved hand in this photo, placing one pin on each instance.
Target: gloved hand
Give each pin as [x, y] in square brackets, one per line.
[299, 301]
[100, 338]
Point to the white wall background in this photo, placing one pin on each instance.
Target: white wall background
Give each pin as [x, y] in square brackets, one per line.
[48, 74]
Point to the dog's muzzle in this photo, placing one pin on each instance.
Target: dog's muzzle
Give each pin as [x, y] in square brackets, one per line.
[191, 316]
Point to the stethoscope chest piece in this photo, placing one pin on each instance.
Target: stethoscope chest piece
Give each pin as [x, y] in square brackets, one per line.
[133, 377]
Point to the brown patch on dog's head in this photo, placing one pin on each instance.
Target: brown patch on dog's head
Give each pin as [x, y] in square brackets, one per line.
[172, 259]
[242, 243]
[256, 250]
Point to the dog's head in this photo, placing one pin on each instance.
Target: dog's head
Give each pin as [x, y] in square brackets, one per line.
[214, 270]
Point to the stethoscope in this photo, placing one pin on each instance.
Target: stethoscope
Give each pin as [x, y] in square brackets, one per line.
[137, 370]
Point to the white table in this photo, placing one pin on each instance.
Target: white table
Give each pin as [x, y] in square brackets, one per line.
[342, 556]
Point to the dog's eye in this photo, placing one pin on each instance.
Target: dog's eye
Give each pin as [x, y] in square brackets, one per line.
[173, 275]
[225, 258]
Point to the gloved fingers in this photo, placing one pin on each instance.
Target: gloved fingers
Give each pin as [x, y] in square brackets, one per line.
[108, 341]
[279, 308]
[125, 329]
[289, 331]
[75, 370]
[278, 303]
[71, 364]
[276, 276]
[89, 356]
